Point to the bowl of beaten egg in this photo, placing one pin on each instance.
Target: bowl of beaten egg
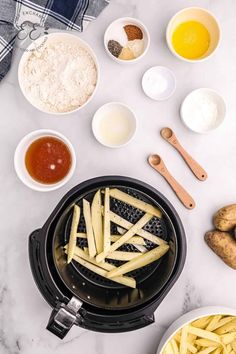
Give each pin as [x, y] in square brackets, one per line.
[193, 34]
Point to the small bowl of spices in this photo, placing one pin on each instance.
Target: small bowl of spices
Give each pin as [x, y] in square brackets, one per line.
[126, 40]
[44, 160]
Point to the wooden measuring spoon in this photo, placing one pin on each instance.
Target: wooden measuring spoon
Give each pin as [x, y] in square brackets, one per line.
[170, 136]
[157, 163]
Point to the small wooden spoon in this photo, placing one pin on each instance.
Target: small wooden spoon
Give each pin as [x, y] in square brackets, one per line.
[170, 136]
[157, 163]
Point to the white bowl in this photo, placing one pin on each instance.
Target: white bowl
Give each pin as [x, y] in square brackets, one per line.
[111, 108]
[189, 317]
[159, 83]
[58, 36]
[19, 160]
[196, 14]
[112, 32]
[187, 113]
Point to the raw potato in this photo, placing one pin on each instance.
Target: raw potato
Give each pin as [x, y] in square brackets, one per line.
[225, 218]
[135, 240]
[96, 212]
[79, 253]
[89, 228]
[141, 261]
[106, 222]
[73, 233]
[224, 245]
[199, 340]
[131, 232]
[139, 204]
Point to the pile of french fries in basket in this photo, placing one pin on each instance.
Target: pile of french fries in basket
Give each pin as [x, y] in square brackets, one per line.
[103, 245]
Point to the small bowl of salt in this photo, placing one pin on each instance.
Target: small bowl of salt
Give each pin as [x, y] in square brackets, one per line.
[203, 110]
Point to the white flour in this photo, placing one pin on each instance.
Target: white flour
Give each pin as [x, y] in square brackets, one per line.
[60, 77]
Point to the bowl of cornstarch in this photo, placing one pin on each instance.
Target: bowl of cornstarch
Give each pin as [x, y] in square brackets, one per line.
[58, 73]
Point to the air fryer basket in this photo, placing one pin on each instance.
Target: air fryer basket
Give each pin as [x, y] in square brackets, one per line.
[96, 290]
[101, 304]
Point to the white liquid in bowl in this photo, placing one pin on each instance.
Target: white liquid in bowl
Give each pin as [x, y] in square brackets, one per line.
[114, 125]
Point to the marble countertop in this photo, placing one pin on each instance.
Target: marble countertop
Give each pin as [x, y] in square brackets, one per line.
[205, 279]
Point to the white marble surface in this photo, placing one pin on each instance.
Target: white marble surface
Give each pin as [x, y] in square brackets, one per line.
[205, 279]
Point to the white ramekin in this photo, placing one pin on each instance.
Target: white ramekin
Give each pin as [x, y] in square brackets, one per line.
[189, 317]
[109, 107]
[196, 14]
[19, 160]
[43, 41]
[123, 21]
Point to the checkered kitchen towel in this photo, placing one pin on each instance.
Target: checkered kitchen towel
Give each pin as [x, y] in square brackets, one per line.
[17, 16]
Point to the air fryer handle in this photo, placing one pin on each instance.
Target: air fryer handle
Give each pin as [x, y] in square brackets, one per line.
[63, 317]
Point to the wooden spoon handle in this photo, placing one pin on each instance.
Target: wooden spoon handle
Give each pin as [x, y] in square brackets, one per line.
[181, 193]
[197, 170]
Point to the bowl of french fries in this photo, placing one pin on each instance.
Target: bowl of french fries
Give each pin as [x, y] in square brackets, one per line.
[206, 330]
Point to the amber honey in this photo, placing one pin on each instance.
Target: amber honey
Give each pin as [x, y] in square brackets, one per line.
[48, 160]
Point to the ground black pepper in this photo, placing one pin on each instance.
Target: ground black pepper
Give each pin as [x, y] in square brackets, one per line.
[114, 48]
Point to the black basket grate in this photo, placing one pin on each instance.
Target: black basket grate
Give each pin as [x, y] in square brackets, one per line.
[155, 226]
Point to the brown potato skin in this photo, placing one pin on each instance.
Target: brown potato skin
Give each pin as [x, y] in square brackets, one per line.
[225, 218]
[224, 245]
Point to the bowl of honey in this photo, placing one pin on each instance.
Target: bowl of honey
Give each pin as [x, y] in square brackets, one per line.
[44, 160]
[193, 34]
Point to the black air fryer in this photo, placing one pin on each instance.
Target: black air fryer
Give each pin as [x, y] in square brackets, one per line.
[81, 297]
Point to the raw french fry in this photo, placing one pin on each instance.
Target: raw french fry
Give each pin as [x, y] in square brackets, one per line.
[223, 322]
[89, 228]
[140, 261]
[103, 265]
[116, 219]
[106, 223]
[168, 349]
[73, 233]
[203, 333]
[120, 255]
[125, 237]
[201, 322]
[94, 268]
[229, 327]
[228, 338]
[206, 343]
[139, 204]
[184, 340]
[96, 213]
[213, 322]
[135, 240]
[207, 350]
[141, 248]
[174, 346]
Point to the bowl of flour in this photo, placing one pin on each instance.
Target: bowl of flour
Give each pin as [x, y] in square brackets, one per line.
[58, 73]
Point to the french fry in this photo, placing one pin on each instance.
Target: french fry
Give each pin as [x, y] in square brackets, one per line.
[168, 349]
[202, 342]
[174, 346]
[120, 255]
[213, 322]
[131, 232]
[89, 228]
[139, 204]
[106, 223]
[201, 322]
[140, 261]
[228, 338]
[96, 213]
[207, 350]
[202, 333]
[94, 268]
[103, 265]
[135, 240]
[223, 322]
[229, 327]
[73, 233]
[118, 220]
[184, 340]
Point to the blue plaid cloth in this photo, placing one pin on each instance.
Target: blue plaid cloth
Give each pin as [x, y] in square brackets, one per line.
[17, 16]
